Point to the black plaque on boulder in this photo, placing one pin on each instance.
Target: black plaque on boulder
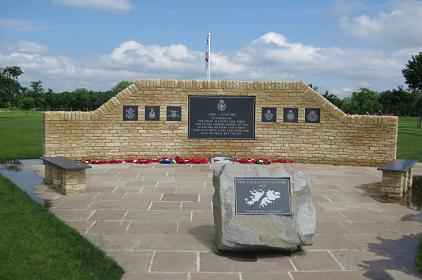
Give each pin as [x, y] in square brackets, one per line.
[130, 113]
[174, 113]
[262, 196]
[312, 115]
[269, 114]
[222, 117]
[152, 113]
[290, 115]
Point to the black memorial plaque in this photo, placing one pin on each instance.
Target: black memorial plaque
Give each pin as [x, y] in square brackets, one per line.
[290, 115]
[174, 113]
[152, 113]
[130, 113]
[262, 196]
[269, 114]
[312, 115]
[222, 117]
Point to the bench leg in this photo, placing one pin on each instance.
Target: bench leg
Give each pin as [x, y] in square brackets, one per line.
[393, 183]
[410, 179]
[48, 179]
[57, 176]
[73, 182]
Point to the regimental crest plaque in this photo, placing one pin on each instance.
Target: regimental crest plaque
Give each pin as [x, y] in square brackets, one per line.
[312, 115]
[269, 114]
[130, 113]
[290, 115]
[174, 113]
[262, 196]
[152, 113]
[221, 117]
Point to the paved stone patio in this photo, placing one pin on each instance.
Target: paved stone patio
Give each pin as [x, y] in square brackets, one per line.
[156, 222]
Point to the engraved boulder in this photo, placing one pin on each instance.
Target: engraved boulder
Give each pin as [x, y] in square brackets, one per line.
[259, 207]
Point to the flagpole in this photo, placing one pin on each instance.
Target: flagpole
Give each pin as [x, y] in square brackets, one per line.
[209, 57]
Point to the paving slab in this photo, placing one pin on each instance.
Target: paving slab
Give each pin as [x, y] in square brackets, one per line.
[174, 262]
[216, 276]
[110, 227]
[265, 276]
[211, 262]
[133, 261]
[155, 227]
[156, 222]
[314, 261]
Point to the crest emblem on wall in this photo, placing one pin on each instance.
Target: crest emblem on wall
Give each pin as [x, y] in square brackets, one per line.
[290, 115]
[221, 106]
[130, 113]
[312, 115]
[269, 114]
[174, 113]
[152, 113]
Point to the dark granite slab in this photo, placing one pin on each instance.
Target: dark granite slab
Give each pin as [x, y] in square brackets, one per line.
[397, 165]
[65, 163]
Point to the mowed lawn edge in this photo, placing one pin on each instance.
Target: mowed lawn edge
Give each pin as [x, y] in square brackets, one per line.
[20, 134]
[409, 139]
[34, 244]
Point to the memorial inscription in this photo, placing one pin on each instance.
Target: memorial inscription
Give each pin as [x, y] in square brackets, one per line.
[262, 196]
[222, 117]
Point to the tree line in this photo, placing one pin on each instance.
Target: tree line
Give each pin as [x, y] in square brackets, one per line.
[399, 101]
[14, 95]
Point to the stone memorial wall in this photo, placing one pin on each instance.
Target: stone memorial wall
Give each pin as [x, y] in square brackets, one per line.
[154, 118]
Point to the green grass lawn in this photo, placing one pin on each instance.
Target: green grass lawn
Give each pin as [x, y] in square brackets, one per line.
[20, 135]
[34, 244]
[409, 143]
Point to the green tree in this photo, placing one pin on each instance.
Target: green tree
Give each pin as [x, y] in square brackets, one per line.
[26, 103]
[364, 101]
[120, 86]
[398, 102]
[81, 100]
[9, 84]
[333, 98]
[346, 105]
[412, 72]
[36, 92]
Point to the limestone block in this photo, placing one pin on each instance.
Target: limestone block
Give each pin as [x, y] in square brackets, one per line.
[74, 182]
[48, 179]
[262, 232]
[57, 176]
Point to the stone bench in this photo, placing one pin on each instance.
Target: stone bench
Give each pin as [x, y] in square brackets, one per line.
[65, 174]
[396, 177]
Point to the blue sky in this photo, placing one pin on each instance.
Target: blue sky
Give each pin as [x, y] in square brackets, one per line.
[337, 45]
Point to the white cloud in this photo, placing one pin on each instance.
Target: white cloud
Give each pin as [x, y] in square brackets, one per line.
[108, 5]
[21, 25]
[398, 27]
[270, 57]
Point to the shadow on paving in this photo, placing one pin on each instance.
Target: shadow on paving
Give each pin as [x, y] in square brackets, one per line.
[205, 235]
[396, 255]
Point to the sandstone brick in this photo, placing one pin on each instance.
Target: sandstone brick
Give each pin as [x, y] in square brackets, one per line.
[338, 139]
